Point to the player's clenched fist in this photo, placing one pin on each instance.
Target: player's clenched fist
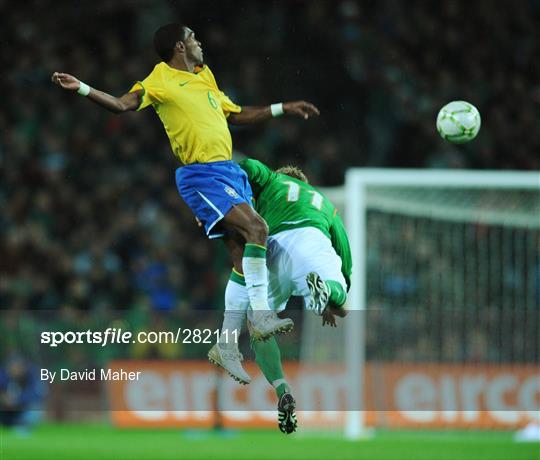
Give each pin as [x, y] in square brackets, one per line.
[66, 81]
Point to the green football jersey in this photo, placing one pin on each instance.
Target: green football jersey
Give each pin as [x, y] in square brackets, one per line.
[286, 203]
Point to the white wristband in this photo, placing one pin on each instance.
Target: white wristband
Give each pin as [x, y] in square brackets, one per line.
[277, 109]
[84, 89]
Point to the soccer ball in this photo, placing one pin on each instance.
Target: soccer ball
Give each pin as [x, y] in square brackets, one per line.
[458, 122]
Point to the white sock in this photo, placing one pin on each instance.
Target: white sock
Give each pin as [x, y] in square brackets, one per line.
[236, 305]
[256, 276]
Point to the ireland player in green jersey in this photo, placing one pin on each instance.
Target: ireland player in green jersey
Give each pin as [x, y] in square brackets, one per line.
[288, 202]
[308, 256]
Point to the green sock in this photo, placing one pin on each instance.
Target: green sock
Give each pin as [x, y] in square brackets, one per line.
[338, 296]
[268, 358]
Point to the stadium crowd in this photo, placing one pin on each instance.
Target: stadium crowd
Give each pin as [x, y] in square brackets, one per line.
[91, 220]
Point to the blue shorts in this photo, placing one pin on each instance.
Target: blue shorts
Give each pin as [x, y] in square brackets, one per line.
[211, 190]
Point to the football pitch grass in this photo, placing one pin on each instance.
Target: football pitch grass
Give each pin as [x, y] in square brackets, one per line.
[89, 442]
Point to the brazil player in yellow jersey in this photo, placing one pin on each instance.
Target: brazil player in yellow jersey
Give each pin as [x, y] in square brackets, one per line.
[194, 111]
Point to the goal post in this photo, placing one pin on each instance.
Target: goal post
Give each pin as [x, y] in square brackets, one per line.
[442, 200]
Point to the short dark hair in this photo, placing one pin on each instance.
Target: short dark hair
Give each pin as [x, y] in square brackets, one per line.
[293, 171]
[166, 38]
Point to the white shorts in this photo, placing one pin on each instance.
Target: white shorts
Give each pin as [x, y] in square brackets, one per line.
[293, 254]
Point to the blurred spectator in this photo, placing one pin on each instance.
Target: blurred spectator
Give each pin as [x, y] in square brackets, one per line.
[21, 395]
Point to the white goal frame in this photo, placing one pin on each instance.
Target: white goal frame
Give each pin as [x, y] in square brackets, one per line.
[356, 181]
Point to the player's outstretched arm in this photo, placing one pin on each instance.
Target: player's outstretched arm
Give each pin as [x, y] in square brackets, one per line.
[253, 114]
[125, 103]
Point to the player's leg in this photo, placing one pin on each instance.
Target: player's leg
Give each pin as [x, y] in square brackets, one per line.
[325, 280]
[267, 354]
[268, 358]
[243, 219]
[338, 294]
[316, 269]
[225, 353]
[325, 292]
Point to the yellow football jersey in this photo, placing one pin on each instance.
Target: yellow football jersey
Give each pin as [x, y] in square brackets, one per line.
[193, 111]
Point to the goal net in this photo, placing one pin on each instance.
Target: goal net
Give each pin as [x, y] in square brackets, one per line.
[444, 321]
